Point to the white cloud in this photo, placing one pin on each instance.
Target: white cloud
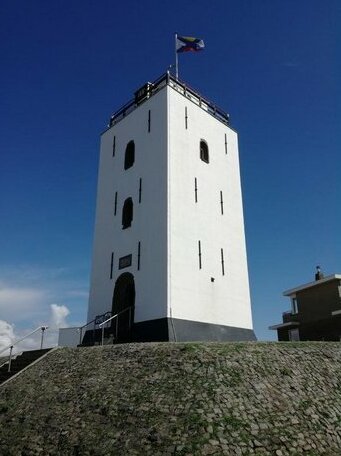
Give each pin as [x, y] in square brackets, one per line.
[58, 316]
[9, 333]
[20, 303]
[6, 335]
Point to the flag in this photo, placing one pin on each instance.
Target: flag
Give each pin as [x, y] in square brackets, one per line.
[188, 43]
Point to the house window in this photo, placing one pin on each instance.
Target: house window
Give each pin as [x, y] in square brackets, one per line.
[127, 213]
[204, 151]
[294, 307]
[129, 157]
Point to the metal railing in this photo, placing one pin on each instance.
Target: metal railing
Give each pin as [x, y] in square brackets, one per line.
[116, 323]
[181, 87]
[10, 347]
[95, 321]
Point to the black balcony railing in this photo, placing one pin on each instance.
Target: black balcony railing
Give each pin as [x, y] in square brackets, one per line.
[150, 89]
[289, 317]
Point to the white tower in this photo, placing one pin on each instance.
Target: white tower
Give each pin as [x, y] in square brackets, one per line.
[169, 248]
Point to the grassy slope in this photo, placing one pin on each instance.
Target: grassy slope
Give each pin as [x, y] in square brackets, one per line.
[159, 399]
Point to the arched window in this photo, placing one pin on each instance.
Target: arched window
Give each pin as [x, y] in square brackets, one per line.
[204, 151]
[127, 213]
[129, 157]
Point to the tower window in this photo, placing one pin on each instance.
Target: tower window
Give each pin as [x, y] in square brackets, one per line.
[149, 121]
[225, 143]
[186, 118]
[129, 157]
[127, 213]
[140, 191]
[204, 151]
[222, 262]
[138, 256]
[111, 265]
[195, 190]
[221, 203]
[115, 206]
[114, 146]
[199, 252]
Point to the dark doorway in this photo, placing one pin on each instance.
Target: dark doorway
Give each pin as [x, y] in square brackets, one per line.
[123, 303]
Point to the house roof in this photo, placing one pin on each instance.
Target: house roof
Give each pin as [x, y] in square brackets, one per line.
[312, 284]
[290, 324]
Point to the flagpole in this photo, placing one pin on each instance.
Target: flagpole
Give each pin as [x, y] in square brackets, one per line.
[176, 58]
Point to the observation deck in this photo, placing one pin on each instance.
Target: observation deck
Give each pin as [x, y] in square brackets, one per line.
[151, 88]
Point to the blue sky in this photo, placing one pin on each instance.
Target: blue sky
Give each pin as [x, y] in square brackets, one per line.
[67, 65]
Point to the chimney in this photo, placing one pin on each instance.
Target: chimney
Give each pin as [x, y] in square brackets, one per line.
[319, 274]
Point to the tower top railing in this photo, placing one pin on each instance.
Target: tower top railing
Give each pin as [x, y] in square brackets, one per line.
[151, 88]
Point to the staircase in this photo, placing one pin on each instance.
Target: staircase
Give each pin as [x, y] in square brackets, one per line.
[20, 362]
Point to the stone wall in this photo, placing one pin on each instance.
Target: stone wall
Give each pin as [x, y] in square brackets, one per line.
[185, 399]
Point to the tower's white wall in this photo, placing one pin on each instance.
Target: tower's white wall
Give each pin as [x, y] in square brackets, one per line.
[149, 224]
[168, 222]
[191, 294]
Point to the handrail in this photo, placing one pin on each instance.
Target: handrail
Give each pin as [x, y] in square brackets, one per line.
[42, 328]
[111, 318]
[3, 363]
[10, 347]
[80, 329]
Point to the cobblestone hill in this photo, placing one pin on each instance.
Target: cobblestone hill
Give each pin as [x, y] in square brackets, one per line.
[184, 399]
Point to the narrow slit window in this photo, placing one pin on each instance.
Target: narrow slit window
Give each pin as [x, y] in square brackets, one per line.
[195, 190]
[138, 256]
[204, 155]
[225, 143]
[221, 203]
[115, 206]
[140, 191]
[127, 213]
[186, 118]
[199, 250]
[149, 121]
[222, 261]
[114, 146]
[129, 157]
[111, 265]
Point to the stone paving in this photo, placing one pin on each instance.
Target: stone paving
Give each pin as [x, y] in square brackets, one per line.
[276, 399]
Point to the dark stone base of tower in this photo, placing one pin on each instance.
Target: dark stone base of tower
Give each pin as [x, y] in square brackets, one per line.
[169, 330]
[176, 330]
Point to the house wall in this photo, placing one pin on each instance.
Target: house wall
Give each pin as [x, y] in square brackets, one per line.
[315, 307]
[318, 302]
